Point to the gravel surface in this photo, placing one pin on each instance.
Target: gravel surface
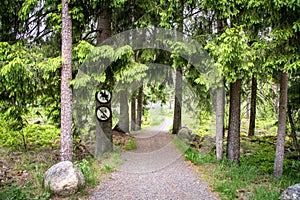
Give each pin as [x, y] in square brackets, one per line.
[155, 170]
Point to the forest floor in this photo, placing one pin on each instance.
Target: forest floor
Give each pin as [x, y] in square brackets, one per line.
[154, 170]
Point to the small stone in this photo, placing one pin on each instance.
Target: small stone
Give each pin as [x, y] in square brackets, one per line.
[63, 179]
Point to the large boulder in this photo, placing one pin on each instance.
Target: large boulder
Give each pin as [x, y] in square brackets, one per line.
[63, 179]
[291, 193]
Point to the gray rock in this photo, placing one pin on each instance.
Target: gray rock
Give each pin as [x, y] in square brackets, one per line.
[186, 134]
[291, 193]
[63, 178]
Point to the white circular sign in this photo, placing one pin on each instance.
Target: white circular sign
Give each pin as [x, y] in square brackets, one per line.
[103, 96]
[103, 113]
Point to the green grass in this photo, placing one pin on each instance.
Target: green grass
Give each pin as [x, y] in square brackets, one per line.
[130, 145]
[253, 179]
[26, 170]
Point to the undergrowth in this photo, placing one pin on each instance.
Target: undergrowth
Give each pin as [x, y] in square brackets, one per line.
[253, 179]
[22, 169]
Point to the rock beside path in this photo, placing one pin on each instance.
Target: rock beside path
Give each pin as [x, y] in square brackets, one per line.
[63, 179]
[291, 193]
[186, 134]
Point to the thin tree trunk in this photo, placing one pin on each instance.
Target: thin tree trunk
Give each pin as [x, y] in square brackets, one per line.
[248, 108]
[278, 164]
[253, 107]
[104, 128]
[104, 23]
[133, 113]
[233, 139]
[294, 136]
[178, 80]
[124, 114]
[276, 103]
[220, 110]
[66, 141]
[178, 101]
[139, 108]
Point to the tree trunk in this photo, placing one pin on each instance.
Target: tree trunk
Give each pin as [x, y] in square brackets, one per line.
[278, 165]
[220, 110]
[133, 113]
[220, 107]
[178, 79]
[233, 139]
[276, 103]
[124, 114]
[178, 101]
[293, 129]
[66, 141]
[104, 128]
[104, 23]
[253, 107]
[139, 108]
[248, 108]
[103, 134]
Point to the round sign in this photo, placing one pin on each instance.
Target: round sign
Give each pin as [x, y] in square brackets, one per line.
[103, 113]
[103, 96]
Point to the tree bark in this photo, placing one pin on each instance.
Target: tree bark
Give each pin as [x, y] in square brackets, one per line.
[233, 139]
[220, 107]
[178, 101]
[252, 107]
[66, 140]
[124, 114]
[103, 134]
[276, 103]
[178, 79]
[104, 23]
[220, 110]
[278, 164]
[104, 128]
[139, 108]
[133, 113]
[293, 129]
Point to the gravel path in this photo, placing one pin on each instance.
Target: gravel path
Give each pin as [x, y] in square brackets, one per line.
[155, 170]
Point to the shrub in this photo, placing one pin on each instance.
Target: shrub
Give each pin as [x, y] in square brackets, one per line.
[32, 136]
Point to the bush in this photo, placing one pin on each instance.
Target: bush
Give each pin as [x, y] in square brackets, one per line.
[88, 169]
[15, 192]
[32, 136]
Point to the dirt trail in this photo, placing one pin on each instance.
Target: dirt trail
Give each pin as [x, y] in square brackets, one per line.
[155, 170]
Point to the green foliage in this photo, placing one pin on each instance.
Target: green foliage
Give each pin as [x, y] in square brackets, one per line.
[23, 192]
[32, 136]
[81, 51]
[27, 77]
[14, 192]
[232, 54]
[130, 145]
[294, 99]
[88, 168]
[155, 92]
[134, 72]
[110, 161]
[120, 61]
[194, 156]
[252, 177]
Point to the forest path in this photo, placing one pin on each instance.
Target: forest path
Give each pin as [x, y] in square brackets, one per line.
[155, 170]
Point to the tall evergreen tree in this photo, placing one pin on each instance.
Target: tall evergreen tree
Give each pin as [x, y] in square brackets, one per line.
[66, 148]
